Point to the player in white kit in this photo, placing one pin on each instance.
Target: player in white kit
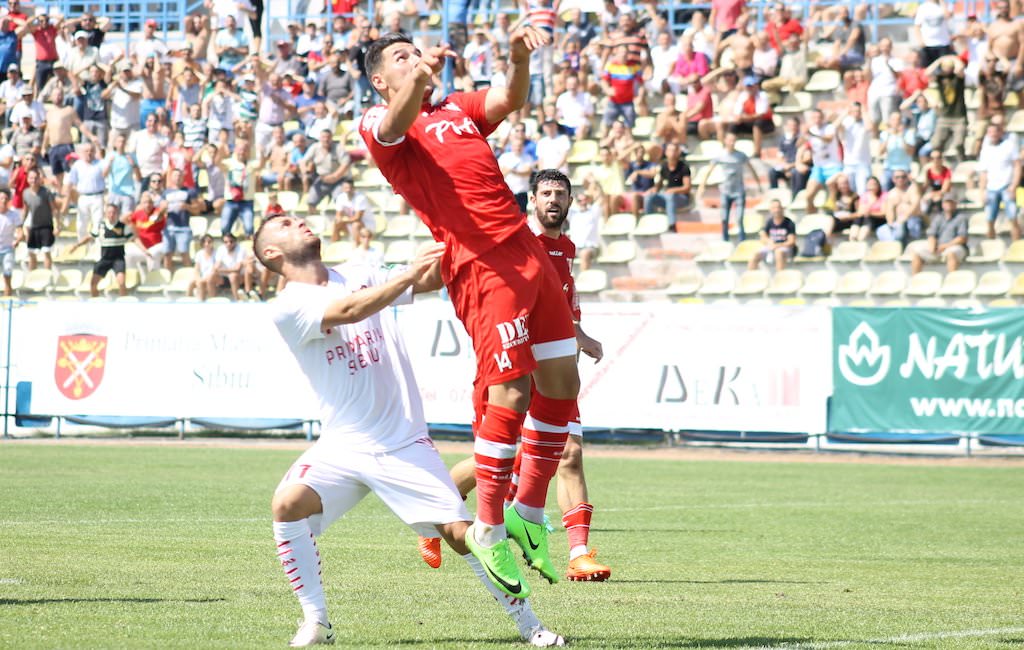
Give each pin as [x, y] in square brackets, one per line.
[374, 435]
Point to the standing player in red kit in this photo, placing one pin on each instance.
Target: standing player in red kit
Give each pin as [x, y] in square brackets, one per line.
[552, 196]
[503, 289]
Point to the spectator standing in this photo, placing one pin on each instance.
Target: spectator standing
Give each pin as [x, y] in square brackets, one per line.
[825, 157]
[89, 104]
[112, 232]
[180, 203]
[148, 222]
[672, 185]
[219, 111]
[993, 84]
[883, 91]
[999, 171]
[82, 56]
[724, 16]
[619, 80]
[734, 164]
[951, 126]
[41, 218]
[517, 166]
[240, 174]
[85, 179]
[150, 148]
[897, 148]
[553, 148]
[931, 30]
[788, 167]
[276, 106]
[125, 95]
[855, 136]
[28, 106]
[947, 239]
[11, 234]
[26, 140]
[58, 140]
[479, 58]
[150, 45]
[778, 239]
[122, 174]
[753, 112]
[44, 32]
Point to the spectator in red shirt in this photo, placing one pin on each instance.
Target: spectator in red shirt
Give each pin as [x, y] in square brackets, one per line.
[19, 179]
[724, 15]
[781, 26]
[619, 81]
[700, 111]
[938, 181]
[44, 33]
[913, 78]
[148, 222]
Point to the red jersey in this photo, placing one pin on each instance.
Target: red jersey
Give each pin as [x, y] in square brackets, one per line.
[46, 43]
[149, 228]
[445, 169]
[18, 183]
[562, 252]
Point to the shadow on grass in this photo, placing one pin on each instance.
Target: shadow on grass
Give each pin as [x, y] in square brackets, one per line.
[691, 531]
[668, 642]
[57, 601]
[719, 582]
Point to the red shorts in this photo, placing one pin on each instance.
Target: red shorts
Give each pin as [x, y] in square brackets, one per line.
[513, 307]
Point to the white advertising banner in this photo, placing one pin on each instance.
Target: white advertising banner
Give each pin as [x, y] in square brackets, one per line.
[146, 359]
[672, 367]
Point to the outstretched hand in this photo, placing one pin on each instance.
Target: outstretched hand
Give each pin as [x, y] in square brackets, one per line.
[432, 60]
[427, 258]
[590, 347]
[524, 40]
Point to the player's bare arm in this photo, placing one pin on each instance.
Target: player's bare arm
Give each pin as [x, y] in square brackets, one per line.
[588, 345]
[366, 302]
[418, 69]
[501, 102]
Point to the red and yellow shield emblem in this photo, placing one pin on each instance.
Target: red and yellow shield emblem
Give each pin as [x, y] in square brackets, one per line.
[81, 359]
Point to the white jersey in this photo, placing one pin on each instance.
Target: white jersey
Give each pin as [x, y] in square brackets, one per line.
[368, 397]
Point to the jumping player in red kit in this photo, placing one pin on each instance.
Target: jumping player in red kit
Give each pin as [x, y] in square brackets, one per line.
[503, 289]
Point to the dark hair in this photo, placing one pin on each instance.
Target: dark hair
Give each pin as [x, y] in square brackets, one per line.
[375, 52]
[257, 250]
[550, 176]
[6, 193]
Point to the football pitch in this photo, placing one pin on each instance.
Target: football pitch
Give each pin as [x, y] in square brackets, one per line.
[157, 545]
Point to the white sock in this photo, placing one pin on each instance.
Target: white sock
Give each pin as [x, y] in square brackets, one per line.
[488, 535]
[529, 513]
[518, 608]
[300, 558]
[576, 551]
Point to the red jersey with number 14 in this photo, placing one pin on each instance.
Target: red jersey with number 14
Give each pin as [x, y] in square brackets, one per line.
[446, 170]
[562, 252]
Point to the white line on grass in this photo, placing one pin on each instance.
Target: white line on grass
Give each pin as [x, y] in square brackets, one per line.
[894, 640]
[10, 581]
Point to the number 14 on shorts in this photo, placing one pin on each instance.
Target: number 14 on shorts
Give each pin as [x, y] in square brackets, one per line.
[504, 363]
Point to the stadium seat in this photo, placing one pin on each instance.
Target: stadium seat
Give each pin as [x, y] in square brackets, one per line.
[591, 281]
[1002, 303]
[745, 146]
[67, 281]
[1015, 253]
[819, 283]
[751, 283]
[371, 177]
[988, 251]
[848, 252]
[968, 303]
[888, 283]
[993, 284]
[923, 284]
[714, 177]
[422, 232]
[64, 255]
[792, 301]
[198, 225]
[318, 223]
[811, 222]
[1017, 290]
[617, 252]
[717, 252]
[823, 81]
[1016, 123]
[958, 283]
[583, 152]
[620, 224]
[337, 252]
[686, 284]
[400, 251]
[651, 225]
[154, 281]
[745, 251]
[108, 284]
[795, 103]
[644, 127]
[706, 150]
[977, 225]
[401, 226]
[179, 281]
[782, 194]
[882, 252]
[785, 283]
[853, 283]
[931, 301]
[288, 201]
[37, 281]
[718, 283]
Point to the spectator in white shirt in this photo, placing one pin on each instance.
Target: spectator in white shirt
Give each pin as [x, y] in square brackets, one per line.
[999, 171]
[575, 108]
[883, 92]
[931, 31]
[584, 218]
[149, 147]
[553, 148]
[479, 57]
[855, 135]
[232, 263]
[353, 211]
[28, 106]
[125, 95]
[517, 166]
[87, 180]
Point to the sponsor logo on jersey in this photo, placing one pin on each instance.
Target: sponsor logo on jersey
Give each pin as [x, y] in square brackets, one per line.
[441, 127]
[81, 360]
[514, 332]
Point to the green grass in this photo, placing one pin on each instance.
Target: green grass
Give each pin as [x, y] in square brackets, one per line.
[157, 546]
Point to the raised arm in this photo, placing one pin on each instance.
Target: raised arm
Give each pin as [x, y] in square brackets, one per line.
[502, 101]
[404, 105]
[366, 302]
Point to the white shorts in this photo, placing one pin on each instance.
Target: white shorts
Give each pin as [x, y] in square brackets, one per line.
[412, 481]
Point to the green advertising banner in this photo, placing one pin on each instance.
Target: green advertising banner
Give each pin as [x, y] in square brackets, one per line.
[908, 370]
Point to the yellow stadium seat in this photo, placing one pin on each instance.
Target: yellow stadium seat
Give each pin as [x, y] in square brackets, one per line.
[718, 283]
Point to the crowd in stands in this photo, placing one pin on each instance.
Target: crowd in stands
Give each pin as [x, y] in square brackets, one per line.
[738, 109]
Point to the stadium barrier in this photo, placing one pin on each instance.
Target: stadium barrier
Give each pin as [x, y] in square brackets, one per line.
[750, 374]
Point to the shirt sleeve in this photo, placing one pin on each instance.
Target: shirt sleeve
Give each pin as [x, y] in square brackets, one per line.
[299, 316]
[378, 275]
[369, 127]
[474, 105]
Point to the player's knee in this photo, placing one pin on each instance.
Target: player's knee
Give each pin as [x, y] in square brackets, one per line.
[513, 394]
[571, 463]
[293, 504]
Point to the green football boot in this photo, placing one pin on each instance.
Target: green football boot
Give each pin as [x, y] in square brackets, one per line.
[533, 539]
[500, 565]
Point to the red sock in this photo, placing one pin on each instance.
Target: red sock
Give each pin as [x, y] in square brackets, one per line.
[495, 450]
[544, 434]
[577, 524]
[513, 485]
